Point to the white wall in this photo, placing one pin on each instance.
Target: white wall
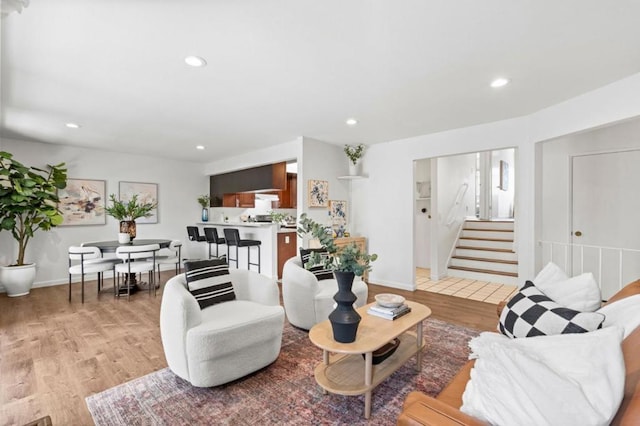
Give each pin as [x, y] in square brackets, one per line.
[454, 203]
[389, 166]
[323, 161]
[179, 184]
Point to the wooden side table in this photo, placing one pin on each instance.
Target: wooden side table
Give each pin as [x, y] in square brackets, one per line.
[343, 371]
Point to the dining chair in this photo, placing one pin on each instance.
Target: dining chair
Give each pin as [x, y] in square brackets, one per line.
[108, 258]
[85, 260]
[134, 261]
[169, 256]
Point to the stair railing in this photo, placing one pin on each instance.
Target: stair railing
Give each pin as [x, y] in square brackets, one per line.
[454, 212]
[567, 251]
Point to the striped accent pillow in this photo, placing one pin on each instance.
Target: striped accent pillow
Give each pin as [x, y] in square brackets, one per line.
[320, 271]
[209, 281]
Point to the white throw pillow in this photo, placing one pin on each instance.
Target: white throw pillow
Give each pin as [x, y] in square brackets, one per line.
[579, 293]
[550, 274]
[624, 313]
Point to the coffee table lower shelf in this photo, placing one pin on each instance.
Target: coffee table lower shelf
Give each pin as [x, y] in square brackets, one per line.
[345, 373]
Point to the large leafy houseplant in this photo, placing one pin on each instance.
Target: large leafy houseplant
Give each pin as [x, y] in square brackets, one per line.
[342, 259]
[29, 199]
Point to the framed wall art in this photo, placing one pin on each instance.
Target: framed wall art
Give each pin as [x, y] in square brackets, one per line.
[318, 193]
[338, 212]
[147, 193]
[82, 202]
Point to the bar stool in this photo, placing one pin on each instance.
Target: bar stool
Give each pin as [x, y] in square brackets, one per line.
[212, 237]
[194, 234]
[233, 239]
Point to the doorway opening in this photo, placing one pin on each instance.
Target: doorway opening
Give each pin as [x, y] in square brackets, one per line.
[454, 196]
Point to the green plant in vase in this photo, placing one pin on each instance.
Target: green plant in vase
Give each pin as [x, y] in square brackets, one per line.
[128, 212]
[28, 203]
[354, 153]
[204, 201]
[346, 263]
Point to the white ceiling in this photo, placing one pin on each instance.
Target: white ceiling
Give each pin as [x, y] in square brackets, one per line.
[279, 69]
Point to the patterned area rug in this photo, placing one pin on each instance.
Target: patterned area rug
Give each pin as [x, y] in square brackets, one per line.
[284, 392]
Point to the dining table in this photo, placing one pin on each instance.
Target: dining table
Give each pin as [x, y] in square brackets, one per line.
[110, 246]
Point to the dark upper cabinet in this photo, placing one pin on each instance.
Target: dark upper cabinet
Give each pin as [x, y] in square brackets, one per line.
[272, 177]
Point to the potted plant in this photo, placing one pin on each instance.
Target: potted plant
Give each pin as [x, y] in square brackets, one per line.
[204, 200]
[28, 202]
[354, 152]
[345, 262]
[128, 212]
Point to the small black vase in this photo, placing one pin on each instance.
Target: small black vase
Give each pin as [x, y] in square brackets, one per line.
[344, 319]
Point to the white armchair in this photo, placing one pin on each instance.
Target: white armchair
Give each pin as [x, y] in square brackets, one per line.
[308, 301]
[226, 341]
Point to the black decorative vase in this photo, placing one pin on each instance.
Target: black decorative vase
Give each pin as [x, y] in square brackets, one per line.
[344, 319]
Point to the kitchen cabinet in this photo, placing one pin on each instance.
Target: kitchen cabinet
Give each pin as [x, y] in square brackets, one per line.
[272, 177]
[287, 244]
[288, 198]
[241, 199]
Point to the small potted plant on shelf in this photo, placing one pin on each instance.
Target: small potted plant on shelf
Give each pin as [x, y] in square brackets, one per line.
[345, 262]
[28, 202]
[354, 152]
[204, 201]
[128, 212]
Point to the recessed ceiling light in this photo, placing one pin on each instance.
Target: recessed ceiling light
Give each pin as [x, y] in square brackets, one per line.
[499, 82]
[200, 147]
[351, 122]
[195, 61]
[72, 125]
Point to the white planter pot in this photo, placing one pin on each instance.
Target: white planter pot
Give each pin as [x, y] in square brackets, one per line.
[18, 280]
[355, 169]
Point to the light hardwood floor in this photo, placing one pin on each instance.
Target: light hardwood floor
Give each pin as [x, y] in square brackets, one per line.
[54, 353]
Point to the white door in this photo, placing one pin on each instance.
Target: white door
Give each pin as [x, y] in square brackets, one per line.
[605, 206]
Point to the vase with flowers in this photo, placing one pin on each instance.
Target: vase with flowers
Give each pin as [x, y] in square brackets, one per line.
[204, 201]
[354, 153]
[128, 212]
[345, 262]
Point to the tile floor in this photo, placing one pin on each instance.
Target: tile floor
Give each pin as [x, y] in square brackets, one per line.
[460, 287]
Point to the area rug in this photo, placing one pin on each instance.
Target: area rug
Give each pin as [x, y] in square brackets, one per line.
[284, 392]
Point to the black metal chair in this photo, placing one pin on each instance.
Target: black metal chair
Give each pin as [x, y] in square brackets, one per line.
[212, 237]
[194, 234]
[233, 239]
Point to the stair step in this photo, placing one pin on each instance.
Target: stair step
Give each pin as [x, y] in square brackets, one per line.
[492, 243]
[478, 276]
[485, 259]
[499, 266]
[489, 225]
[485, 249]
[488, 234]
[485, 254]
[488, 230]
[484, 271]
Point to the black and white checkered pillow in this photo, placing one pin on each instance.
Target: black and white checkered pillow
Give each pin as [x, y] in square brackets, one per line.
[531, 313]
[319, 271]
[209, 281]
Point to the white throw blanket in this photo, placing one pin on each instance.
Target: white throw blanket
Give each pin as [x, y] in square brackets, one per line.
[569, 379]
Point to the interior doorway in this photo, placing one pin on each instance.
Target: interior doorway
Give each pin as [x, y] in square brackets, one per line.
[449, 190]
[602, 186]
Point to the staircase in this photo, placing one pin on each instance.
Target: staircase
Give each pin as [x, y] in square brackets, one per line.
[485, 251]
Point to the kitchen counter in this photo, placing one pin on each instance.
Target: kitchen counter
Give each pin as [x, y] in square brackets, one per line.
[232, 224]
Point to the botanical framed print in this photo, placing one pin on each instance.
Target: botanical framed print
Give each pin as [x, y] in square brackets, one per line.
[338, 212]
[82, 202]
[318, 193]
[147, 193]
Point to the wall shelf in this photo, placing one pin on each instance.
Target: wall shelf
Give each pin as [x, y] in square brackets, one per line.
[351, 177]
[423, 198]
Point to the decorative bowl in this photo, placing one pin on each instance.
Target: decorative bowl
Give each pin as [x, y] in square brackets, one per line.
[388, 300]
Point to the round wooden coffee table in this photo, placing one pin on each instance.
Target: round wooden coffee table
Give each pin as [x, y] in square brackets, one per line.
[343, 371]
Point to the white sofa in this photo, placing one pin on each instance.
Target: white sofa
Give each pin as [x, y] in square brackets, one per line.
[226, 341]
[308, 301]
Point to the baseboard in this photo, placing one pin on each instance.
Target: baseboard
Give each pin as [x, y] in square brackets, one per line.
[392, 284]
[51, 283]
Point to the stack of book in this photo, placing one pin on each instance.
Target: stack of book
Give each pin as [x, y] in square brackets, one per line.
[389, 313]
